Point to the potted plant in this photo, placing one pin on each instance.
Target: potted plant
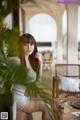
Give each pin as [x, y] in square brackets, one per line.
[10, 75]
[8, 39]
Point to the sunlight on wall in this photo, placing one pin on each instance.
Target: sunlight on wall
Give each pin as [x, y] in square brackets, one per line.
[64, 23]
[78, 33]
[64, 33]
[8, 21]
[43, 27]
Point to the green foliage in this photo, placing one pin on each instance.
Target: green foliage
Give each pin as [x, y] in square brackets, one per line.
[11, 38]
[8, 39]
[8, 6]
[12, 74]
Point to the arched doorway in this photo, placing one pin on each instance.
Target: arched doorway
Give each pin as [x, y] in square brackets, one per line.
[43, 27]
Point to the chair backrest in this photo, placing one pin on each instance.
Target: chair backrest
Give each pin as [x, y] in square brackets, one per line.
[67, 70]
[47, 56]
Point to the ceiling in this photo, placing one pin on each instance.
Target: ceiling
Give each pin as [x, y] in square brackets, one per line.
[49, 6]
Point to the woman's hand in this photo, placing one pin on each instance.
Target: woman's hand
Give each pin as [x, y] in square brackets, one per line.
[39, 57]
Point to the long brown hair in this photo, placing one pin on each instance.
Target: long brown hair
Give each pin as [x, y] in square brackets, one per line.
[24, 39]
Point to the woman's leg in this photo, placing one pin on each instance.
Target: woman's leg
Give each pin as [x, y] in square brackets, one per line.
[35, 106]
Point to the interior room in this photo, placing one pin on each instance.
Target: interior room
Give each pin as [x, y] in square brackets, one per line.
[55, 25]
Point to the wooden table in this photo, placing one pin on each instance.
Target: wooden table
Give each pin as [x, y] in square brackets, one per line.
[67, 115]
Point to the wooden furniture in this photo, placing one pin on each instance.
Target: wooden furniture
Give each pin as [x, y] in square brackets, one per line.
[47, 59]
[68, 71]
[68, 114]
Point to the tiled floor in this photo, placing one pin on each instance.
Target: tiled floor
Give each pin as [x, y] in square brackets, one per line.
[47, 78]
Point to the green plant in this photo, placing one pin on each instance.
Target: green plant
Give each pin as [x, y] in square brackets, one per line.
[10, 73]
[10, 76]
[8, 6]
[8, 39]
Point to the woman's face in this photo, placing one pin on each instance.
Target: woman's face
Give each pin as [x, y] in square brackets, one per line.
[28, 48]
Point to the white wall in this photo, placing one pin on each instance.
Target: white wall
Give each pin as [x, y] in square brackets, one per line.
[8, 21]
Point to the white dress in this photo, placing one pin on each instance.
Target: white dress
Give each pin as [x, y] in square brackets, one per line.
[19, 91]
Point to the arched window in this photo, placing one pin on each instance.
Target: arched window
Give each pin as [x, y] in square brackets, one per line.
[43, 27]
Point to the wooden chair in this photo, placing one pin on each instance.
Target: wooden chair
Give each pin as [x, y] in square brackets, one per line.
[69, 72]
[47, 59]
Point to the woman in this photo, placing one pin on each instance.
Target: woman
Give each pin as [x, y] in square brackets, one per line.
[29, 57]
